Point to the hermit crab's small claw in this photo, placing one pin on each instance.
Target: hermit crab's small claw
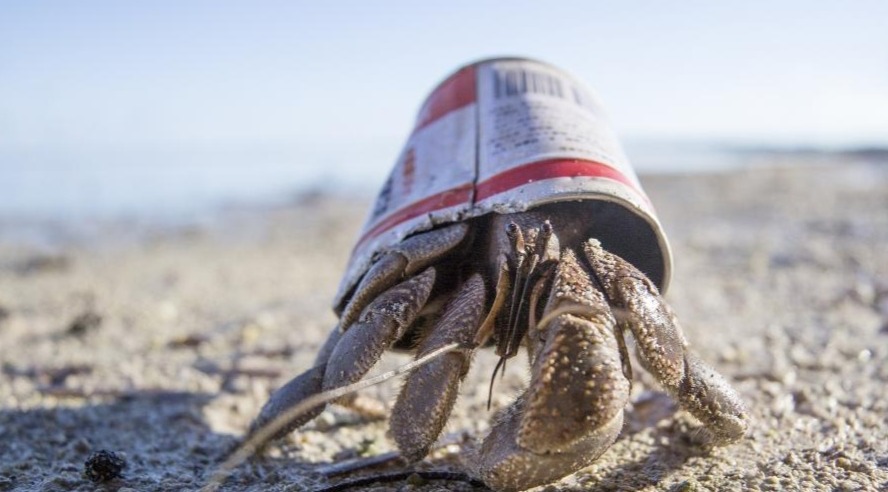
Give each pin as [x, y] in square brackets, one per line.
[638, 305]
[572, 411]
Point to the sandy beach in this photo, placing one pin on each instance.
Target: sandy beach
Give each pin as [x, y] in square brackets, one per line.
[161, 344]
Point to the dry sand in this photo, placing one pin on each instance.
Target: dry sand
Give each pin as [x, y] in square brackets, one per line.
[161, 345]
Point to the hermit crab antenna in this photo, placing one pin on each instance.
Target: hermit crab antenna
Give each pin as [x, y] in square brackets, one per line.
[530, 266]
[517, 256]
[500, 364]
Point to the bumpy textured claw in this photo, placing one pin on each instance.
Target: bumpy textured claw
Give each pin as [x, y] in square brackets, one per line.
[577, 383]
[572, 411]
[504, 465]
[663, 350]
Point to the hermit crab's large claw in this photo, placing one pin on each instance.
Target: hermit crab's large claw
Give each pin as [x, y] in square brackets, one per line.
[572, 411]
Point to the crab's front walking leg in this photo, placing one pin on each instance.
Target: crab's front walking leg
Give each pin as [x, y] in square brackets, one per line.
[429, 392]
[346, 357]
[405, 259]
[573, 409]
[297, 389]
[382, 322]
[663, 350]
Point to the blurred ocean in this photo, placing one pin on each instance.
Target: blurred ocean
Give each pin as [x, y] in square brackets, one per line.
[179, 185]
[173, 184]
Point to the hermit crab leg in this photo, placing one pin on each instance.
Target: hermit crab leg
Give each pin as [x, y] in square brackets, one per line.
[429, 392]
[662, 349]
[382, 322]
[385, 315]
[346, 357]
[502, 291]
[572, 410]
[297, 389]
[410, 256]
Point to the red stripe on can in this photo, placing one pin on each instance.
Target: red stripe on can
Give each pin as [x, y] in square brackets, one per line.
[450, 198]
[454, 93]
[505, 181]
[549, 169]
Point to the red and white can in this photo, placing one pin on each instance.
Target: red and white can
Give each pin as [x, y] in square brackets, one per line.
[505, 135]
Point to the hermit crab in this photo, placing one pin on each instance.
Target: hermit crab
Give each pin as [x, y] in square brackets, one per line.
[512, 220]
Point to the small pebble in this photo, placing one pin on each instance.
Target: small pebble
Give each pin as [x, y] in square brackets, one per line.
[84, 323]
[864, 355]
[416, 480]
[848, 486]
[103, 466]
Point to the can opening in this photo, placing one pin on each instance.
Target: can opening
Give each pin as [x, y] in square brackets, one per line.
[620, 231]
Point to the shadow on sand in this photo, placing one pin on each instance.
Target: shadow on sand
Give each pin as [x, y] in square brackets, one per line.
[168, 445]
[162, 435]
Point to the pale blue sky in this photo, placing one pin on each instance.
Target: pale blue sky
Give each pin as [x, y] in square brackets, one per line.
[335, 85]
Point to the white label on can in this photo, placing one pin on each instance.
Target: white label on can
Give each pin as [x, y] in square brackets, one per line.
[531, 113]
[498, 136]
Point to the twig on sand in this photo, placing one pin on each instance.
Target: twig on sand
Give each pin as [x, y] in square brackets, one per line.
[355, 464]
[348, 466]
[402, 476]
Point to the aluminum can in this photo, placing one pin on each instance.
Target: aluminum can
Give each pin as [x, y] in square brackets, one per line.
[506, 135]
